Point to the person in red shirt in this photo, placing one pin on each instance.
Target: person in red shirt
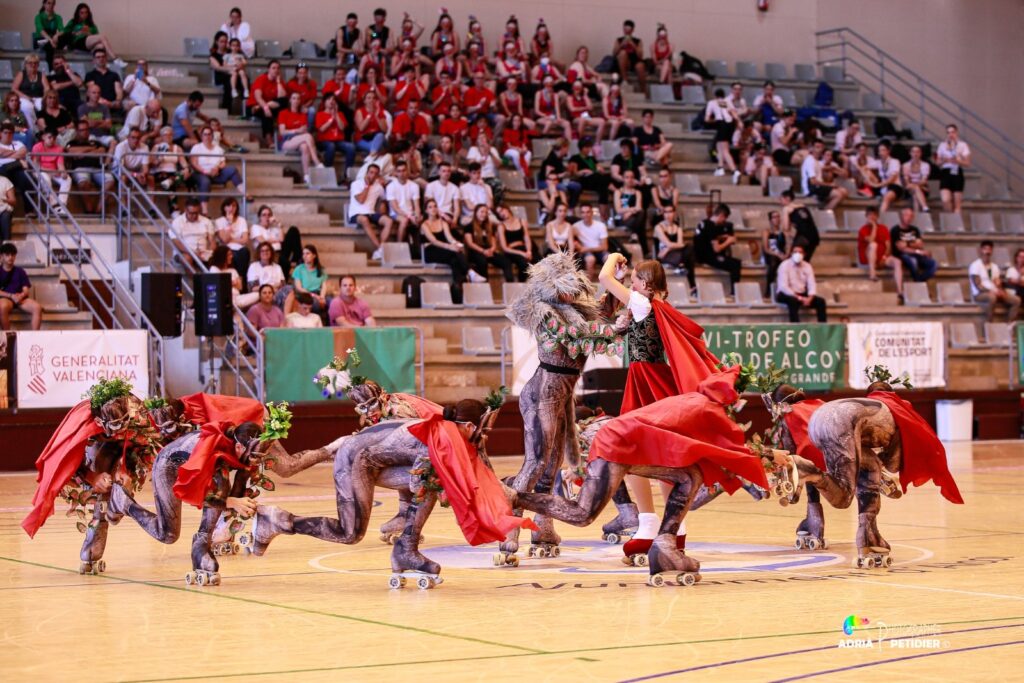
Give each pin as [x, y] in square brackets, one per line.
[410, 86]
[449, 64]
[445, 94]
[548, 110]
[371, 122]
[580, 110]
[293, 134]
[479, 101]
[874, 249]
[455, 126]
[515, 144]
[510, 103]
[342, 91]
[371, 82]
[331, 127]
[307, 89]
[374, 59]
[412, 125]
[268, 96]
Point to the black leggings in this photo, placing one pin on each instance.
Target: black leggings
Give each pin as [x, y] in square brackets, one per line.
[455, 260]
[771, 265]
[731, 265]
[291, 250]
[479, 263]
[268, 124]
[817, 303]
[596, 182]
[520, 263]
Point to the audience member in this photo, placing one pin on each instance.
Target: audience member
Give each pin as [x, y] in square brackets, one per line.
[403, 197]
[651, 140]
[672, 249]
[293, 134]
[445, 193]
[265, 271]
[8, 200]
[15, 289]
[12, 159]
[183, 120]
[97, 116]
[719, 116]
[169, 168]
[738, 101]
[347, 42]
[589, 174]
[331, 126]
[888, 187]
[309, 277]
[773, 249]
[265, 314]
[440, 246]
[371, 123]
[874, 249]
[67, 82]
[303, 317]
[613, 109]
[630, 212]
[82, 34]
[211, 166]
[139, 87]
[365, 193]
[915, 179]
[235, 63]
[348, 310]
[908, 247]
[48, 29]
[86, 160]
[109, 82]
[591, 236]
[1014, 274]
[131, 159]
[558, 232]
[473, 193]
[768, 107]
[30, 84]
[713, 240]
[554, 164]
[193, 232]
[233, 232]
[785, 141]
[517, 148]
[222, 261]
[52, 172]
[147, 119]
[953, 156]
[268, 96]
[798, 223]
[236, 29]
[12, 114]
[481, 247]
[628, 52]
[795, 287]
[987, 285]
[814, 181]
[514, 241]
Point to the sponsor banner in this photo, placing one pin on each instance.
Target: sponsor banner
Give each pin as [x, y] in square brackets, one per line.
[56, 368]
[917, 348]
[813, 353]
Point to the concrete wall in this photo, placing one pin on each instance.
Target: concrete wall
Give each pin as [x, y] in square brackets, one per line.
[953, 43]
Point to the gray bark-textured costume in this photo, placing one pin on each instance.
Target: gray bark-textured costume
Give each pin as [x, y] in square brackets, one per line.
[557, 294]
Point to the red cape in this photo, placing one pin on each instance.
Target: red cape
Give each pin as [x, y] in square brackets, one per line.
[59, 461]
[924, 457]
[202, 408]
[475, 494]
[421, 405]
[684, 430]
[196, 474]
[689, 361]
[797, 422]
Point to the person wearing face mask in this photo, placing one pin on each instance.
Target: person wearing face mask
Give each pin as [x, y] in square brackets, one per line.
[795, 287]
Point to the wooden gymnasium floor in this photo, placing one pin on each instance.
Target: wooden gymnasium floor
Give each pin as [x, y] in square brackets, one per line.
[311, 611]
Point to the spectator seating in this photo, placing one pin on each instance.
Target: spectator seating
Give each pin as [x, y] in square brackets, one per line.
[436, 295]
[749, 294]
[950, 294]
[951, 222]
[302, 49]
[717, 67]
[747, 70]
[478, 341]
[478, 295]
[197, 47]
[270, 49]
[916, 294]
[833, 73]
[983, 223]
[964, 336]
[12, 41]
[663, 93]
[53, 297]
[805, 72]
[825, 219]
[710, 293]
[998, 334]
[694, 94]
[679, 293]
[396, 255]
[775, 72]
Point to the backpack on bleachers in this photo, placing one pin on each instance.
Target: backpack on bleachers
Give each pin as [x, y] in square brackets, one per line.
[884, 128]
[411, 289]
[692, 65]
[824, 96]
[697, 123]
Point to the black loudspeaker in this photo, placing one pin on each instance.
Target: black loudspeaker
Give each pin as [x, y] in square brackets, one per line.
[211, 293]
[161, 302]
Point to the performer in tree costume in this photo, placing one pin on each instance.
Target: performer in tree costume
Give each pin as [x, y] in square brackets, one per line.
[689, 440]
[863, 439]
[655, 332]
[196, 469]
[440, 457]
[106, 438]
[558, 307]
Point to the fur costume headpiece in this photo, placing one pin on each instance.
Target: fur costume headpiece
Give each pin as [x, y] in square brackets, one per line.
[549, 279]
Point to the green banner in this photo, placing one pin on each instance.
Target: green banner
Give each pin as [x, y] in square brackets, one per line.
[1020, 354]
[814, 354]
[293, 357]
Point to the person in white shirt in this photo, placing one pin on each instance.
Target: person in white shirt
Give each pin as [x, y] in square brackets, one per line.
[211, 166]
[737, 101]
[233, 231]
[953, 156]
[473, 193]
[131, 158]
[720, 115]
[147, 118]
[486, 155]
[303, 318]
[864, 169]
[592, 237]
[1015, 273]
[785, 138]
[760, 167]
[236, 28]
[193, 231]
[795, 287]
[404, 201]
[265, 271]
[987, 285]
[445, 193]
[915, 179]
[818, 179]
[846, 143]
[888, 169]
[140, 87]
[364, 194]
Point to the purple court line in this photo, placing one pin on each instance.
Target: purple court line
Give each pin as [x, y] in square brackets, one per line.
[787, 653]
[898, 659]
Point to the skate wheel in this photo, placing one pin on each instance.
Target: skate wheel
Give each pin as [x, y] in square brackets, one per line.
[532, 552]
[787, 488]
[201, 579]
[627, 560]
[246, 550]
[424, 583]
[777, 490]
[102, 565]
[612, 538]
[84, 568]
[640, 560]
[887, 562]
[190, 578]
[245, 539]
[686, 579]
[513, 561]
[95, 569]
[555, 552]
[395, 582]
[498, 559]
[214, 579]
[783, 501]
[235, 548]
[657, 581]
[813, 544]
[799, 543]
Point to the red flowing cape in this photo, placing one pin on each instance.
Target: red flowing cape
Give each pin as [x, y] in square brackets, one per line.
[689, 361]
[196, 474]
[422, 406]
[201, 408]
[475, 494]
[684, 430]
[797, 422]
[924, 457]
[59, 461]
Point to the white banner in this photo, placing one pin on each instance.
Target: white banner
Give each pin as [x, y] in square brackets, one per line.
[917, 348]
[55, 369]
[525, 362]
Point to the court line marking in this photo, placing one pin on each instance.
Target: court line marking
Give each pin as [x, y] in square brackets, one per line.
[788, 653]
[293, 608]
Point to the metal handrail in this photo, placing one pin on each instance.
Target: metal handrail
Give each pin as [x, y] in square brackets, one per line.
[994, 152]
[135, 207]
[61, 229]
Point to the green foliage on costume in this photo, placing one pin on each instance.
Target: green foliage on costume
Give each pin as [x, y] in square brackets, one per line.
[107, 390]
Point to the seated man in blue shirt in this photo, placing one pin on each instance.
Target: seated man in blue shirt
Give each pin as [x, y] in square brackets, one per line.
[14, 290]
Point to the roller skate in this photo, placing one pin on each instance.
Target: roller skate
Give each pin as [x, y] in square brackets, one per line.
[544, 543]
[890, 485]
[94, 568]
[223, 541]
[810, 535]
[873, 557]
[635, 551]
[407, 562]
[423, 581]
[504, 558]
[668, 562]
[94, 544]
[784, 483]
[201, 577]
[204, 564]
[623, 526]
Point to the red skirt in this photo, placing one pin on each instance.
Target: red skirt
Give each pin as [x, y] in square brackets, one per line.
[797, 422]
[647, 383]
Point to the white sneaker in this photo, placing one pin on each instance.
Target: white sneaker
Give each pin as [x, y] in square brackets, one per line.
[476, 277]
[120, 63]
[245, 94]
[319, 164]
[305, 178]
[719, 171]
[735, 177]
[234, 93]
[377, 255]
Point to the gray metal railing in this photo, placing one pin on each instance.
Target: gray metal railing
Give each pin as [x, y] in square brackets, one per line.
[145, 238]
[994, 153]
[82, 265]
